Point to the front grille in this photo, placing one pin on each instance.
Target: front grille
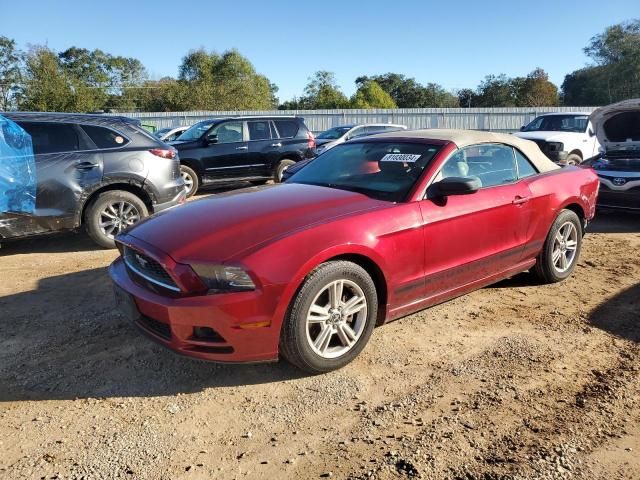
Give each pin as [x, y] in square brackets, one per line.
[161, 329]
[147, 268]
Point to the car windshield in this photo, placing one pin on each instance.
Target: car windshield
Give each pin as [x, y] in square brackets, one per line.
[162, 131]
[194, 132]
[382, 170]
[333, 133]
[558, 123]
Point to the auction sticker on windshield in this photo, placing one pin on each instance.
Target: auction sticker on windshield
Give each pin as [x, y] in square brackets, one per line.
[400, 157]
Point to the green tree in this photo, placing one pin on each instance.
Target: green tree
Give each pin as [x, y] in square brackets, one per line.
[224, 82]
[10, 74]
[495, 91]
[615, 74]
[322, 92]
[46, 87]
[408, 93]
[371, 95]
[535, 90]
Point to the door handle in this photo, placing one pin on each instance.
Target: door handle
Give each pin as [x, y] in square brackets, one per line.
[86, 165]
[520, 200]
[242, 148]
[276, 144]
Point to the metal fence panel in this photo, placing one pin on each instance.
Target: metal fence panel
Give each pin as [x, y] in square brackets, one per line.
[491, 119]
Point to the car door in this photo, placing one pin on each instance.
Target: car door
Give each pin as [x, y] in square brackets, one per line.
[226, 154]
[264, 147]
[67, 164]
[474, 236]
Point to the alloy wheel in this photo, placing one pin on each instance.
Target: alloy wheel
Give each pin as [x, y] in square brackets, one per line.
[336, 318]
[188, 180]
[565, 245]
[117, 216]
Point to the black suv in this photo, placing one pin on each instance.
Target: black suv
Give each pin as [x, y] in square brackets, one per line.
[103, 172]
[254, 149]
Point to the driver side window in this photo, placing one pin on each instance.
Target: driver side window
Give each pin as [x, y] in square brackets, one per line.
[229, 132]
[493, 164]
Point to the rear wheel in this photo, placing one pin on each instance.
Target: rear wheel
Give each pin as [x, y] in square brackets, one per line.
[282, 166]
[190, 178]
[331, 318]
[561, 249]
[112, 212]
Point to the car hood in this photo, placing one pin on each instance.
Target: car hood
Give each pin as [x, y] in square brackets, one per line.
[551, 136]
[222, 226]
[323, 141]
[617, 126]
[180, 145]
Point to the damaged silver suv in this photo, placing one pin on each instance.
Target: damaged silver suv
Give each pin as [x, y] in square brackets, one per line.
[63, 171]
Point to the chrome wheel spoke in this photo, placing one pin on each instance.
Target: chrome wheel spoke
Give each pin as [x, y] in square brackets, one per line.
[346, 334]
[335, 293]
[324, 338]
[318, 314]
[354, 305]
[572, 245]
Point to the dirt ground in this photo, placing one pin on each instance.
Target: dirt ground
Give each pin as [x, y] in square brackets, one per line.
[515, 381]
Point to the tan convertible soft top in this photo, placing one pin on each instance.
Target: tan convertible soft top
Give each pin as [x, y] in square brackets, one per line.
[464, 138]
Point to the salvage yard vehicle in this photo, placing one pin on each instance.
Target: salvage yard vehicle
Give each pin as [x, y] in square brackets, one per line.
[617, 127]
[566, 138]
[370, 231]
[337, 135]
[170, 134]
[239, 149]
[101, 172]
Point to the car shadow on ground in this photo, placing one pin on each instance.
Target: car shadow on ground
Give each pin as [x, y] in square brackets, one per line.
[620, 315]
[55, 243]
[64, 340]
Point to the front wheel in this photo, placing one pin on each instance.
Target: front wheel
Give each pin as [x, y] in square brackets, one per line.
[331, 318]
[112, 212]
[561, 249]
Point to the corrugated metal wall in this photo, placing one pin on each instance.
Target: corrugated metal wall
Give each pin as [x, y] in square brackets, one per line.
[492, 119]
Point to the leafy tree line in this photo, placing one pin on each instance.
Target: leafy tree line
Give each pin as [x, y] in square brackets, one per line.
[84, 80]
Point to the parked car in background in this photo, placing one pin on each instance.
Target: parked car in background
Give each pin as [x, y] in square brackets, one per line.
[368, 232]
[617, 128]
[171, 133]
[566, 138]
[101, 172]
[230, 150]
[337, 135]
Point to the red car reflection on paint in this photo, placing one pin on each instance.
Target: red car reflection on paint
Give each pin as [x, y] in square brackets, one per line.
[368, 232]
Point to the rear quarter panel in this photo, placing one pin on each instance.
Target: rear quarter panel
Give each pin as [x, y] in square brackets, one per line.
[555, 191]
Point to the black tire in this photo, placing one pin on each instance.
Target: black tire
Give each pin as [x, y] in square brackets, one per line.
[191, 179]
[294, 343]
[573, 159]
[93, 216]
[282, 166]
[545, 267]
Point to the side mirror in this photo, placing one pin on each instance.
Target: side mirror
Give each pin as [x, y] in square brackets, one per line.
[455, 186]
[211, 138]
[522, 128]
[591, 132]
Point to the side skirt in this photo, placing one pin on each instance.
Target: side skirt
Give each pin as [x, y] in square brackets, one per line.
[430, 301]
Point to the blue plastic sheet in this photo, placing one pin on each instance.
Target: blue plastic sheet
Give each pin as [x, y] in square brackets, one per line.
[17, 169]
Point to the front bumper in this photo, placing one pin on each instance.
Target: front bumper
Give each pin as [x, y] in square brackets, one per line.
[241, 323]
[619, 199]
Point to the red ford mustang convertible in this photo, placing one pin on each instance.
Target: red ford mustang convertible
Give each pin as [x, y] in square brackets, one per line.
[370, 231]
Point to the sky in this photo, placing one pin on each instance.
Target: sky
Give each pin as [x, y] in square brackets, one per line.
[454, 43]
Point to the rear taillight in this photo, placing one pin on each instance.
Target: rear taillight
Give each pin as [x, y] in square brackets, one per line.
[311, 140]
[164, 152]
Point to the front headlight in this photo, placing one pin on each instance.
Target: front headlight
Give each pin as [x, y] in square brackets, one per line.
[224, 278]
[555, 146]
